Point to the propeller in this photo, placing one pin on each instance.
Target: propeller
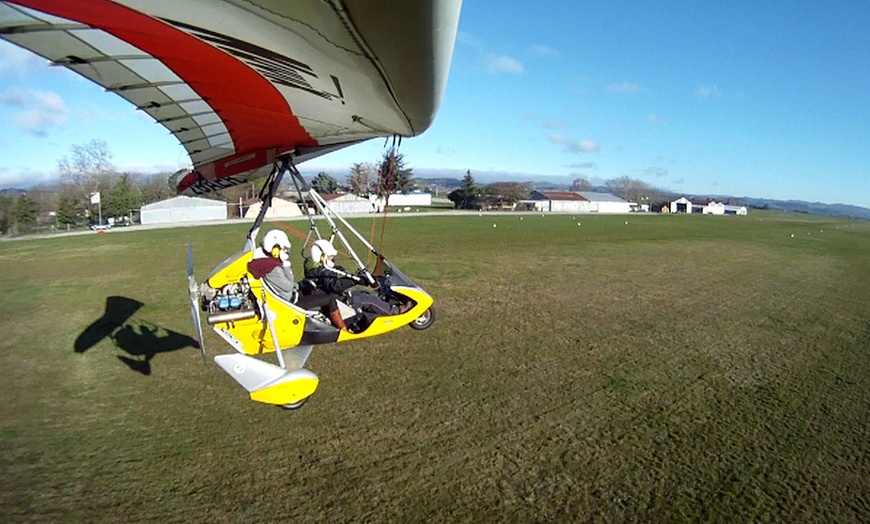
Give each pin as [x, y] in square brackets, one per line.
[194, 299]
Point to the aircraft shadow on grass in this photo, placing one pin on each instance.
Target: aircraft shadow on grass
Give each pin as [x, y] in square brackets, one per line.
[140, 339]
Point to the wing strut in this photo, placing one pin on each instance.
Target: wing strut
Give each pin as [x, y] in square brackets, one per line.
[273, 180]
[284, 164]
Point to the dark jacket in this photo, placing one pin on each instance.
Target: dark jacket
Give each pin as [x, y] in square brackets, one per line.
[332, 280]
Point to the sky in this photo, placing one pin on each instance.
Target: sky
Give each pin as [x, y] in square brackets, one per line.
[766, 99]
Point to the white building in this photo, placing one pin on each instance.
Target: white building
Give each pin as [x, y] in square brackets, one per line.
[681, 205]
[714, 208]
[736, 210]
[560, 202]
[412, 199]
[183, 209]
[280, 208]
[579, 202]
[348, 203]
[607, 203]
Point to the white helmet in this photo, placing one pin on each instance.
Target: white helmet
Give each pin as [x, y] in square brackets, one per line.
[277, 239]
[323, 251]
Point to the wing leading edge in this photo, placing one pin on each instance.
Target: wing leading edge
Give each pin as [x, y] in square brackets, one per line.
[240, 82]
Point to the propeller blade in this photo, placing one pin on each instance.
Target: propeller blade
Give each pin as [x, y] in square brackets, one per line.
[194, 300]
[194, 312]
[189, 260]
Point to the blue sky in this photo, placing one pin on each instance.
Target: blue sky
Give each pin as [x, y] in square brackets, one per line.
[763, 99]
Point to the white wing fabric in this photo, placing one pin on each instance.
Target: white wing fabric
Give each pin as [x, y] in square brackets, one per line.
[239, 82]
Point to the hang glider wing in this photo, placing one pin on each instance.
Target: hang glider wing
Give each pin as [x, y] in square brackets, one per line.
[239, 82]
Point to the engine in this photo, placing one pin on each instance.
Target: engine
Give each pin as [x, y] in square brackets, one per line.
[230, 303]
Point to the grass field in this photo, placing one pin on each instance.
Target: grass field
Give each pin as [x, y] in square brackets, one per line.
[674, 368]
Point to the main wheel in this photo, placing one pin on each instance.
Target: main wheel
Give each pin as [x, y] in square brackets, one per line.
[295, 405]
[424, 321]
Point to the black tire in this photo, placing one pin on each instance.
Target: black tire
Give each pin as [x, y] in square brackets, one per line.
[424, 321]
[296, 405]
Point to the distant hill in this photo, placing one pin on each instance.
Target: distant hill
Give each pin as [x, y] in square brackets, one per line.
[446, 183]
[815, 208]
[454, 183]
[795, 206]
[12, 191]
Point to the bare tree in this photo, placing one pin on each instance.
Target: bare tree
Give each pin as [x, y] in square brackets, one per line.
[630, 189]
[88, 168]
[510, 191]
[581, 184]
[155, 187]
[363, 178]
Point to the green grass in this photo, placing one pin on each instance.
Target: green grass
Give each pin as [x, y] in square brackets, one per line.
[675, 368]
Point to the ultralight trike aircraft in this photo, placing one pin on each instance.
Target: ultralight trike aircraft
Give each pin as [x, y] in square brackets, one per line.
[254, 319]
[252, 88]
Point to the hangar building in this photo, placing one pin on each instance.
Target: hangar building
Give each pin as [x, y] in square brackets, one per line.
[183, 209]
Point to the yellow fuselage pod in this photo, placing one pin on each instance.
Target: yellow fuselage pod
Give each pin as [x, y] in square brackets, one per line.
[387, 323]
[252, 336]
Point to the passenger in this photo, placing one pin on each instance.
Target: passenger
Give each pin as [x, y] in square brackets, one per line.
[320, 268]
[272, 264]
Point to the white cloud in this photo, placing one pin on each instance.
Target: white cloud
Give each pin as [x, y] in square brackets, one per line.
[575, 146]
[17, 61]
[25, 178]
[583, 165]
[626, 88]
[543, 50]
[546, 123]
[37, 111]
[656, 119]
[467, 38]
[656, 171]
[503, 64]
[705, 92]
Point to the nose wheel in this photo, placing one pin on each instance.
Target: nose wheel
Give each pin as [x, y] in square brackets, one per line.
[424, 321]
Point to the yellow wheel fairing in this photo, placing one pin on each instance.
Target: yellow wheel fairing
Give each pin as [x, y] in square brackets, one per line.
[289, 392]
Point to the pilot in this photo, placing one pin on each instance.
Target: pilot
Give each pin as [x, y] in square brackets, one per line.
[320, 268]
[272, 264]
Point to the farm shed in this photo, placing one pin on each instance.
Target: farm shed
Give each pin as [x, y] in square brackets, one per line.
[411, 199]
[681, 205]
[736, 210]
[280, 209]
[714, 208]
[560, 202]
[183, 209]
[348, 203]
[606, 203]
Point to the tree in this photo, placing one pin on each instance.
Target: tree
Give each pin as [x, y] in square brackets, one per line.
[630, 189]
[87, 170]
[581, 184]
[155, 188]
[463, 198]
[468, 187]
[362, 178]
[68, 209]
[393, 176]
[24, 214]
[122, 198]
[509, 191]
[7, 203]
[324, 183]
